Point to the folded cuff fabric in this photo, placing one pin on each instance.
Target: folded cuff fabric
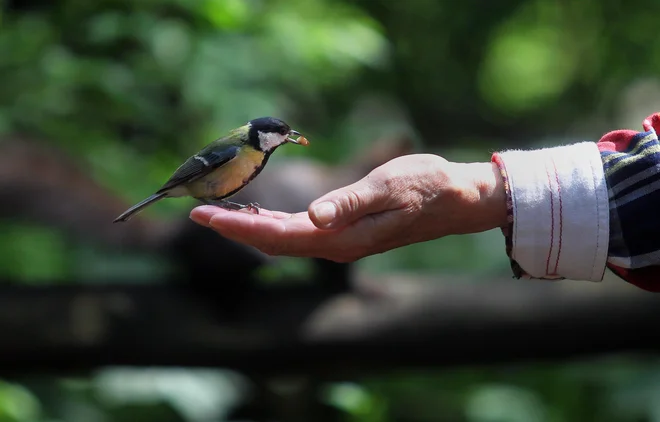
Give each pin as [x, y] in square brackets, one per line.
[558, 212]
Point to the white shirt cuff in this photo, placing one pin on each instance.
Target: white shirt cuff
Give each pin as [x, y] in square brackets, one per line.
[560, 211]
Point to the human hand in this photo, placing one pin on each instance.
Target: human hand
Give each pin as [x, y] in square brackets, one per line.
[409, 199]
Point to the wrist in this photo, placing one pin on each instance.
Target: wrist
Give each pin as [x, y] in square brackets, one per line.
[479, 191]
[491, 194]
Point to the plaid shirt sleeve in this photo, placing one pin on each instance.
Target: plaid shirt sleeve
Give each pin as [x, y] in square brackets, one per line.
[631, 161]
[631, 165]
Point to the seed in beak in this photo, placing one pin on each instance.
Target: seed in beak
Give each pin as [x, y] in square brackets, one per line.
[301, 139]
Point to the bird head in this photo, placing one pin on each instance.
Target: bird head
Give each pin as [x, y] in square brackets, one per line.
[268, 133]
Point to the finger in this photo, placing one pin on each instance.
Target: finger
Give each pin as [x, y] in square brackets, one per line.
[346, 205]
[296, 235]
[202, 214]
[284, 215]
[293, 236]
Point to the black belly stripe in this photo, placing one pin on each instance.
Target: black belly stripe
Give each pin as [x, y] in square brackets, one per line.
[254, 174]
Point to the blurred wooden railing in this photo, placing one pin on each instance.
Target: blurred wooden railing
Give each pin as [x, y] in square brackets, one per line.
[381, 324]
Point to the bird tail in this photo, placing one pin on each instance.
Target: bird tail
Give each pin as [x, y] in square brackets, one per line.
[140, 206]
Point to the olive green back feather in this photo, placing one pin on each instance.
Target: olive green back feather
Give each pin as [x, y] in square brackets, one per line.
[212, 156]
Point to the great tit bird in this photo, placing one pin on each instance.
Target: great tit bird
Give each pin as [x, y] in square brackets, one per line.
[225, 166]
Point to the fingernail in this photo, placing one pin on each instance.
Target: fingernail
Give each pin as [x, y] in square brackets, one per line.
[325, 213]
[200, 217]
[199, 220]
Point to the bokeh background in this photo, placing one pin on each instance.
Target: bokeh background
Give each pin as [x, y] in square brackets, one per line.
[101, 100]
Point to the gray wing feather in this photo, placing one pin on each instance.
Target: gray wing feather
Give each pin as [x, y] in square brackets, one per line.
[199, 166]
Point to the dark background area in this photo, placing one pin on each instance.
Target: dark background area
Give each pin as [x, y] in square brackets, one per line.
[101, 100]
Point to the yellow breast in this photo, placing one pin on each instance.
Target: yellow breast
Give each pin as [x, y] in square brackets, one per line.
[229, 177]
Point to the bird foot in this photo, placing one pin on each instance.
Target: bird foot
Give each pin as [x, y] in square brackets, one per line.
[253, 207]
[234, 206]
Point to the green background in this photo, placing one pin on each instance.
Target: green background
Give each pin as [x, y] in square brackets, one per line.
[128, 88]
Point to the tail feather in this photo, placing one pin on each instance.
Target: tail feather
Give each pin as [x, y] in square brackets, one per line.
[139, 207]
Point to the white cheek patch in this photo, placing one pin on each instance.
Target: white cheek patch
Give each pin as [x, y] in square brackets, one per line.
[268, 141]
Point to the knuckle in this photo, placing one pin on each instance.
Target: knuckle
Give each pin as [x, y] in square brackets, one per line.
[392, 182]
[400, 188]
[353, 200]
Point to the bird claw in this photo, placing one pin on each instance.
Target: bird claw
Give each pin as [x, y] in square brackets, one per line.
[233, 206]
[254, 207]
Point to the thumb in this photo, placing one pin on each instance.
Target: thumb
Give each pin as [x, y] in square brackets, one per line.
[345, 205]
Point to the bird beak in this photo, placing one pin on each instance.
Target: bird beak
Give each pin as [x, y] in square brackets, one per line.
[301, 139]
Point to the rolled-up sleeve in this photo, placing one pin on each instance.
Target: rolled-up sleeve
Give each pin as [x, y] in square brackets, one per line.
[559, 225]
[575, 210]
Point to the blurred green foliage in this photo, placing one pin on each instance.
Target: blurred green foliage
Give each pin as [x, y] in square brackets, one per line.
[132, 88]
[129, 87]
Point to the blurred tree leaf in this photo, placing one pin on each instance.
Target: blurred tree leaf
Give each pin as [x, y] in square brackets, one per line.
[530, 61]
[17, 404]
[32, 254]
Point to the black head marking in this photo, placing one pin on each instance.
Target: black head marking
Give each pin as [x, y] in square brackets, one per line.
[270, 124]
[266, 125]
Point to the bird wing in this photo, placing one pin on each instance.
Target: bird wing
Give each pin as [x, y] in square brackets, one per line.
[200, 165]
